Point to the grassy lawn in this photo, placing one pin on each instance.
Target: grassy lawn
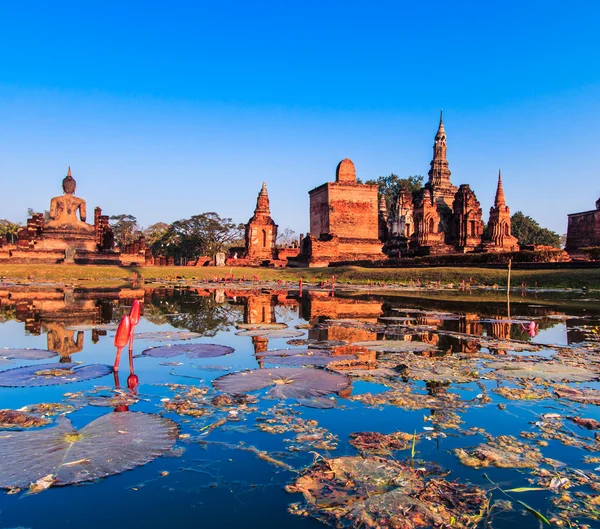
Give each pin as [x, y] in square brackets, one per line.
[106, 275]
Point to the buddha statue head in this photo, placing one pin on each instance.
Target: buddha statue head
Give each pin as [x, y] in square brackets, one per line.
[68, 184]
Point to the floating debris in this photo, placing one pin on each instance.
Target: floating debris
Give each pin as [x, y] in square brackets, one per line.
[504, 451]
[585, 396]
[301, 357]
[20, 419]
[375, 492]
[381, 444]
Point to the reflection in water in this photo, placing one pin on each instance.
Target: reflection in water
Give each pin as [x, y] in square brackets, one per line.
[385, 384]
[444, 324]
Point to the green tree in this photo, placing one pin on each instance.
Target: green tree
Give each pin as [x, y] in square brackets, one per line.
[529, 232]
[155, 232]
[9, 230]
[204, 234]
[125, 228]
[390, 186]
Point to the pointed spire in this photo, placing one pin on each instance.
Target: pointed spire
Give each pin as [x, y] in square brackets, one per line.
[500, 200]
[441, 131]
[382, 204]
[69, 171]
[262, 201]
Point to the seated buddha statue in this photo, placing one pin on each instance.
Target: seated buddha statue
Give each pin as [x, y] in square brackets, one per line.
[63, 209]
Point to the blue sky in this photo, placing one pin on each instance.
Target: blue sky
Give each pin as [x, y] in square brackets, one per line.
[166, 110]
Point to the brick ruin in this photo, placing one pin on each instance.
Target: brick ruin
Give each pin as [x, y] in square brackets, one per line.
[65, 236]
[440, 218]
[261, 231]
[260, 239]
[583, 230]
[344, 221]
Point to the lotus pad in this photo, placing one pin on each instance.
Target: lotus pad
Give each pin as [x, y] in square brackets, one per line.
[191, 350]
[285, 382]
[549, 371]
[52, 374]
[111, 444]
[375, 492]
[394, 346]
[262, 326]
[27, 354]
[167, 336]
[275, 333]
[301, 357]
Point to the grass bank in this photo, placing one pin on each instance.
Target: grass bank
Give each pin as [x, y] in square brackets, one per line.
[106, 275]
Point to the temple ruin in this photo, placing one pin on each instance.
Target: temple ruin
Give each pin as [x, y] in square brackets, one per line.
[344, 221]
[64, 236]
[583, 230]
[441, 218]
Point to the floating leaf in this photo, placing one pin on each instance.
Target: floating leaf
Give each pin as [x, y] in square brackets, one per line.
[27, 354]
[537, 514]
[525, 489]
[167, 336]
[111, 444]
[375, 492]
[93, 327]
[52, 374]
[301, 357]
[394, 346]
[262, 326]
[191, 350]
[544, 370]
[276, 333]
[285, 382]
[317, 344]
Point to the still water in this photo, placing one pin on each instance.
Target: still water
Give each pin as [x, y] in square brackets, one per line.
[231, 463]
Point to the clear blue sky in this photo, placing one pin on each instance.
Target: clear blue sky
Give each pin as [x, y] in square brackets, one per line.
[169, 109]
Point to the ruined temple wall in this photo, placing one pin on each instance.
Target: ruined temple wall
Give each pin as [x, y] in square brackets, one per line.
[319, 210]
[583, 230]
[353, 210]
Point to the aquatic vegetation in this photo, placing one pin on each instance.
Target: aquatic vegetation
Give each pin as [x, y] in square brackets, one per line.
[375, 492]
[261, 326]
[308, 435]
[504, 451]
[167, 336]
[26, 354]
[392, 346]
[285, 383]
[585, 396]
[20, 419]
[382, 444]
[51, 374]
[301, 357]
[193, 350]
[274, 333]
[542, 370]
[109, 445]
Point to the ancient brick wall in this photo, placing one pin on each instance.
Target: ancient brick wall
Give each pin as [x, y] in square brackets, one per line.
[583, 230]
